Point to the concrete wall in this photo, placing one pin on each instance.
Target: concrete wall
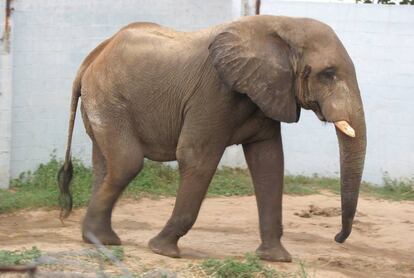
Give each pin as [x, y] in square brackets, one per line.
[50, 39]
[5, 98]
[380, 40]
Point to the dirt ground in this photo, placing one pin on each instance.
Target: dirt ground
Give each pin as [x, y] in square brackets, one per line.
[381, 244]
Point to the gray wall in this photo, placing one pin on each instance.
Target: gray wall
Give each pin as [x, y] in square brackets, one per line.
[50, 39]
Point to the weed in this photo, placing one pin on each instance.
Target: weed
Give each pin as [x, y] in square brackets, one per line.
[115, 251]
[17, 257]
[251, 266]
[303, 185]
[393, 189]
[231, 182]
[39, 188]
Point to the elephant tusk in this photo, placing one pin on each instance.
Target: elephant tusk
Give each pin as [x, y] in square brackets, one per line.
[345, 128]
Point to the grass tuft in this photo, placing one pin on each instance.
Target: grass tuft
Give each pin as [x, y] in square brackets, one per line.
[251, 266]
[392, 189]
[17, 257]
[39, 188]
[115, 251]
[231, 182]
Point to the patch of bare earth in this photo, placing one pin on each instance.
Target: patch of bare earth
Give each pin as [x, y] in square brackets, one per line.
[381, 244]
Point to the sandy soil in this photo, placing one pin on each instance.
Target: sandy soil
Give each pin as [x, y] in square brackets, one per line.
[381, 245]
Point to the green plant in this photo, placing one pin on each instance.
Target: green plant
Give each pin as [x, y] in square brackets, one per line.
[115, 251]
[392, 189]
[39, 188]
[251, 266]
[17, 257]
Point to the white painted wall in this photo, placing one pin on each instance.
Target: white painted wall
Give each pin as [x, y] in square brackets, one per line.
[5, 101]
[380, 40]
[50, 39]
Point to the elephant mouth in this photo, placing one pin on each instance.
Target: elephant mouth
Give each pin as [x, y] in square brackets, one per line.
[319, 114]
[342, 125]
[314, 106]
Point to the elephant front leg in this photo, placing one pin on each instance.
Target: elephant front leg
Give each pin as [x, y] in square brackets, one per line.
[265, 162]
[197, 168]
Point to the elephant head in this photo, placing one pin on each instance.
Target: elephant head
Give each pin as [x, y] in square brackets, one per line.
[283, 64]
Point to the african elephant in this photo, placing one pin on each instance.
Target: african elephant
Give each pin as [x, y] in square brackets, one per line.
[152, 92]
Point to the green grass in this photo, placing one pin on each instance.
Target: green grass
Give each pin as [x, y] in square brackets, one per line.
[39, 188]
[250, 267]
[115, 251]
[16, 257]
[393, 189]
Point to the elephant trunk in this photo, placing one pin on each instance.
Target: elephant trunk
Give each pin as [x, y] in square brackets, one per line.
[352, 157]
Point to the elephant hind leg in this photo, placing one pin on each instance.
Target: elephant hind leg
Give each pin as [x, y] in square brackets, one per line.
[117, 159]
[99, 169]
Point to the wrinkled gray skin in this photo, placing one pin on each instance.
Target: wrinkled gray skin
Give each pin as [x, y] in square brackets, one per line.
[153, 92]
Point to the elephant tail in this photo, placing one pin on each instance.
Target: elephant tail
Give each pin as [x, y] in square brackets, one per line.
[66, 171]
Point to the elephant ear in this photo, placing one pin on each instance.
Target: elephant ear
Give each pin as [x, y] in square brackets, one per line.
[257, 64]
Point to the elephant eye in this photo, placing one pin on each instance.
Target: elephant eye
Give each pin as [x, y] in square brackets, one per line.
[328, 74]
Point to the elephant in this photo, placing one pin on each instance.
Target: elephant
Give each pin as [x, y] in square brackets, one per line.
[155, 93]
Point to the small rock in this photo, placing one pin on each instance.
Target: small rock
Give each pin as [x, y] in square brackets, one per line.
[303, 214]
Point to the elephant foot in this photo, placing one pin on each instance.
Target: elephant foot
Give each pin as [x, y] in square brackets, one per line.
[274, 254]
[165, 247]
[105, 236]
